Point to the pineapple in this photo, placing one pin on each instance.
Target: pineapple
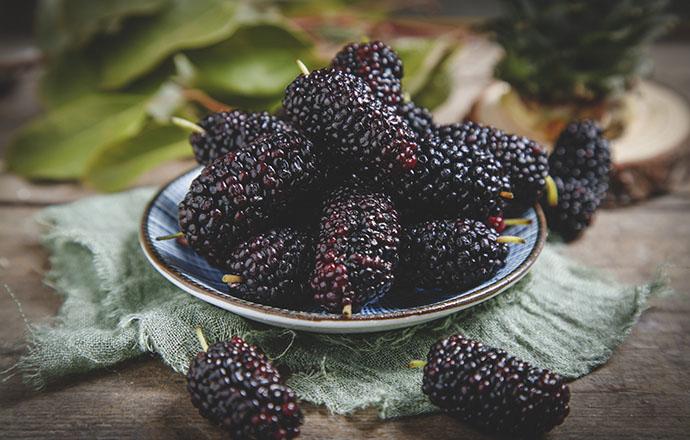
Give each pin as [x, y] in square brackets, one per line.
[575, 59]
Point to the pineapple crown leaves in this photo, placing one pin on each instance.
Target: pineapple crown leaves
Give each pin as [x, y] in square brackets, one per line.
[583, 50]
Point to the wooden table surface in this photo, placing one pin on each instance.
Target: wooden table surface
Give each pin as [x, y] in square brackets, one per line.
[643, 392]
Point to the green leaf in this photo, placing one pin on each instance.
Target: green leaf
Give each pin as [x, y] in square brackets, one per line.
[438, 86]
[69, 24]
[258, 60]
[119, 164]
[145, 43]
[59, 144]
[68, 77]
[421, 57]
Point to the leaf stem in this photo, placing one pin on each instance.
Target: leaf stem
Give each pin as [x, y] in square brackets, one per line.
[303, 67]
[201, 338]
[551, 192]
[187, 125]
[510, 239]
[231, 279]
[179, 234]
[517, 221]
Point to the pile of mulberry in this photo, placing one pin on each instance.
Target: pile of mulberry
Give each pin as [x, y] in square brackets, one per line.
[450, 254]
[357, 250]
[272, 267]
[237, 195]
[339, 113]
[235, 386]
[524, 161]
[493, 390]
[377, 64]
[229, 131]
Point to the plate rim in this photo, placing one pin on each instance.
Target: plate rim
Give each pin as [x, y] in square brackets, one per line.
[301, 318]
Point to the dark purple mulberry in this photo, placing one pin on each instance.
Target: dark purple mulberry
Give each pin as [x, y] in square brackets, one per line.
[524, 161]
[450, 254]
[582, 152]
[451, 179]
[338, 112]
[577, 203]
[493, 390]
[238, 194]
[377, 64]
[357, 250]
[234, 385]
[230, 131]
[273, 266]
[419, 119]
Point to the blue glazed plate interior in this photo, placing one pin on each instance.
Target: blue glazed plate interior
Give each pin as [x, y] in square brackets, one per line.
[161, 219]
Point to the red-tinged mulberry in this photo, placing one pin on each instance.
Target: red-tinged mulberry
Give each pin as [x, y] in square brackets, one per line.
[357, 250]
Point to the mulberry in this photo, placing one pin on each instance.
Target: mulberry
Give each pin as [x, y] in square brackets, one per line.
[238, 194]
[357, 250]
[493, 390]
[229, 131]
[234, 385]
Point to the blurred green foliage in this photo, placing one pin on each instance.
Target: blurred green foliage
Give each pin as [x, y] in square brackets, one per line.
[117, 70]
[576, 51]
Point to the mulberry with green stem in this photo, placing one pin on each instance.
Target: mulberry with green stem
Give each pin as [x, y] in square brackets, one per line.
[582, 152]
[524, 161]
[378, 65]
[271, 267]
[450, 254]
[223, 132]
[451, 179]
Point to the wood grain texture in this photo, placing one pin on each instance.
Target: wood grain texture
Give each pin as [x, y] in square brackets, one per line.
[643, 392]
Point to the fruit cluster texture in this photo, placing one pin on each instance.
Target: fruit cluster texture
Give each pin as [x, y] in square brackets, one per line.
[235, 386]
[230, 131]
[582, 152]
[580, 164]
[419, 119]
[357, 250]
[577, 204]
[339, 113]
[273, 267]
[451, 179]
[492, 390]
[238, 194]
[524, 161]
[378, 65]
[450, 254]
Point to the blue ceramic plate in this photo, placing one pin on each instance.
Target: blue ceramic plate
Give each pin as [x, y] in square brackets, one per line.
[187, 270]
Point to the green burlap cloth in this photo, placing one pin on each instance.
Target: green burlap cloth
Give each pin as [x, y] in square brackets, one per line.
[116, 306]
